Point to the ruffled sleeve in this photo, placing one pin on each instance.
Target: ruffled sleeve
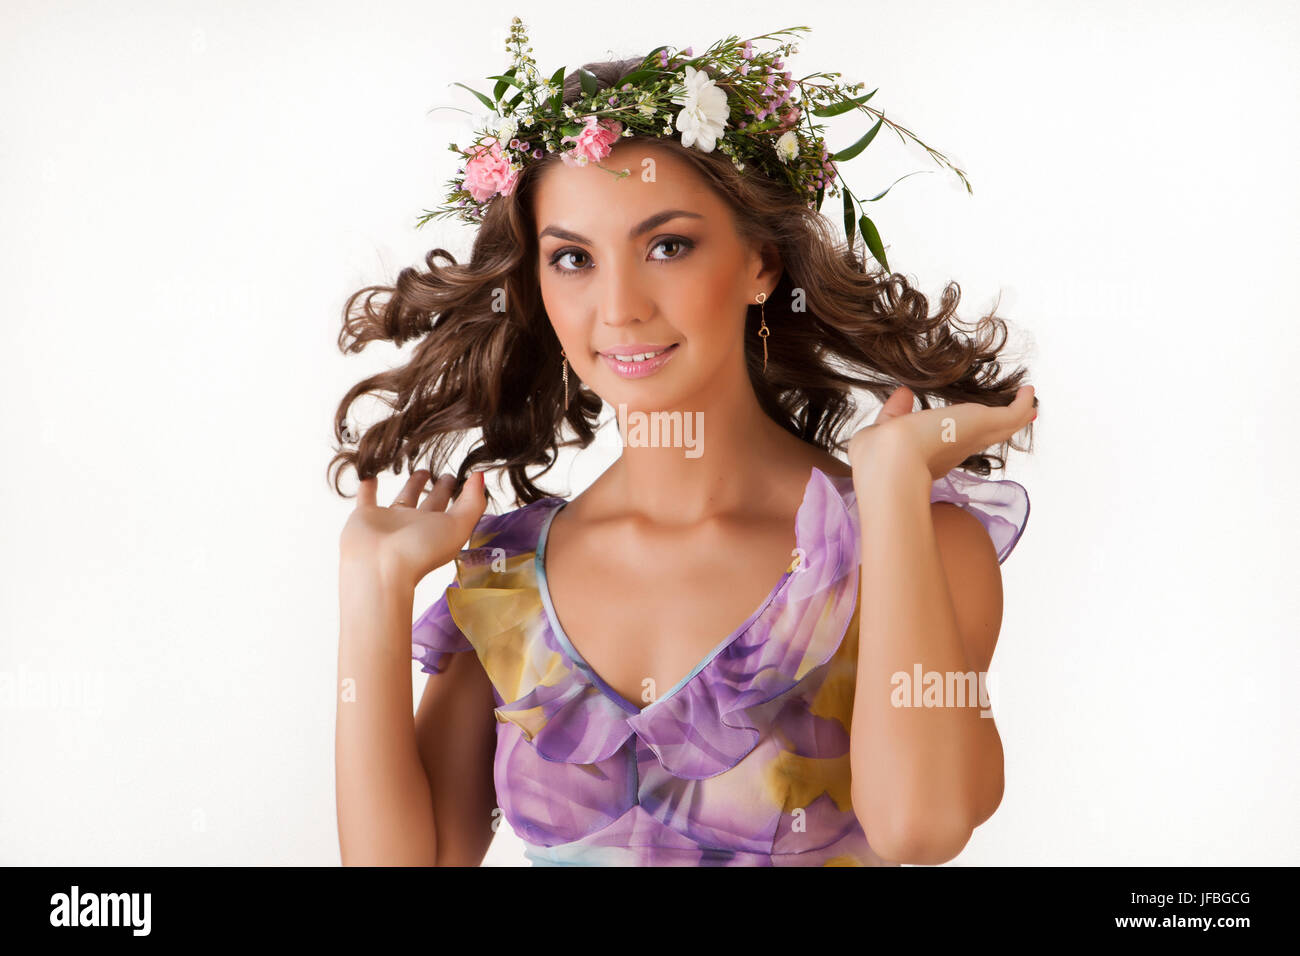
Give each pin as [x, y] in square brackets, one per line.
[435, 636]
[1002, 506]
[490, 601]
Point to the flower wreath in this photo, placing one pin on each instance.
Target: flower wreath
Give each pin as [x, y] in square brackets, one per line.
[733, 97]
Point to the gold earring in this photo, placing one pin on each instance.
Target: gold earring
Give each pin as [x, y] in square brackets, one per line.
[763, 330]
[564, 359]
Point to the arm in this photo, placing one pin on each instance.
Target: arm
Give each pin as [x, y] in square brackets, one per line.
[385, 811]
[923, 777]
[409, 792]
[456, 736]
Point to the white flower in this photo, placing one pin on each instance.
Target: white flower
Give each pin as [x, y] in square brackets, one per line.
[787, 146]
[506, 129]
[703, 116]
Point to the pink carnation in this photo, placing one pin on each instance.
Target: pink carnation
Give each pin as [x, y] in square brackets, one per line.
[489, 173]
[593, 143]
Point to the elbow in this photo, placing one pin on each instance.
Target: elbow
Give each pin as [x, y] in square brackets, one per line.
[915, 836]
[927, 846]
[990, 800]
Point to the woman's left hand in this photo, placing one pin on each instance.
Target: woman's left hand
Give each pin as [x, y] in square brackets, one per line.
[942, 438]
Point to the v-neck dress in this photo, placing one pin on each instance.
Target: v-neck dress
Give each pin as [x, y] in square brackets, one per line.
[744, 762]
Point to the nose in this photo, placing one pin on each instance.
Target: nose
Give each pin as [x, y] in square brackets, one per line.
[624, 297]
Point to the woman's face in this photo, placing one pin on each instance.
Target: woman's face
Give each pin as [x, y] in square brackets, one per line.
[644, 263]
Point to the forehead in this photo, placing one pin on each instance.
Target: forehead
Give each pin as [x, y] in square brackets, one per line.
[587, 197]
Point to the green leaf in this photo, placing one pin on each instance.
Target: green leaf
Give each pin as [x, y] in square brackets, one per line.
[847, 154]
[872, 238]
[838, 108]
[483, 99]
[557, 81]
[848, 216]
[821, 191]
[590, 85]
[514, 100]
[896, 182]
[506, 78]
[636, 76]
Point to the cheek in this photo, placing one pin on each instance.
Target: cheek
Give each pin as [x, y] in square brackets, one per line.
[561, 307]
[703, 307]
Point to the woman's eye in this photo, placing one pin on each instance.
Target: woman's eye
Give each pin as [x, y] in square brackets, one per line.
[563, 254]
[680, 243]
[682, 246]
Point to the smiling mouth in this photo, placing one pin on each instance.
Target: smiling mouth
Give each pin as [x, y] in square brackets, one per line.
[637, 356]
[634, 365]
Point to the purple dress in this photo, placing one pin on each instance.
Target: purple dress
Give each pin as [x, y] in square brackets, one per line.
[745, 762]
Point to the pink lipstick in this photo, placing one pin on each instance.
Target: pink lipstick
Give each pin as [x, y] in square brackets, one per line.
[638, 359]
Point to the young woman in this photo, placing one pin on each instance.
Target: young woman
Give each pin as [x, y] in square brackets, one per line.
[709, 655]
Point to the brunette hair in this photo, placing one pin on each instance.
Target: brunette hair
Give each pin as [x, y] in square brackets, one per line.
[475, 367]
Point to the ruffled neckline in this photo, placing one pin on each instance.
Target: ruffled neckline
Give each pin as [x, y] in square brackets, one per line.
[815, 497]
[699, 728]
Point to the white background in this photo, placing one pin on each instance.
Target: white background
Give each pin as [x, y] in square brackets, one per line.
[190, 191]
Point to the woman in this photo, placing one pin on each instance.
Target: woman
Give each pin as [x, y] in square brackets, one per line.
[707, 656]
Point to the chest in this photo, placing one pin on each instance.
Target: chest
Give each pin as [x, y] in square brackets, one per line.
[643, 610]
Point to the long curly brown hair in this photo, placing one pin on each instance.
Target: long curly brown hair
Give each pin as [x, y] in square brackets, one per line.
[479, 369]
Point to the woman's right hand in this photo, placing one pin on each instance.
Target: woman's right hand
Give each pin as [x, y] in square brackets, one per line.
[407, 539]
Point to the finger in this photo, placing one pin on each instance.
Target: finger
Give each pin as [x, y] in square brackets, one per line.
[436, 499]
[366, 496]
[899, 403]
[470, 504]
[410, 493]
[1024, 407]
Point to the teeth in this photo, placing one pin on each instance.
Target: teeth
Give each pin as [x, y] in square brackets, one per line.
[640, 356]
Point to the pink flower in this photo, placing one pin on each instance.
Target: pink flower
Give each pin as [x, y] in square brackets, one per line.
[593, 143]
[489, 173]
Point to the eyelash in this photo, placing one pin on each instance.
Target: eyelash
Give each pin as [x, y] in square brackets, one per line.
[686, 244]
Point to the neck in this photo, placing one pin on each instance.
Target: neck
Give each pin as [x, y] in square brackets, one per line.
[707, 455]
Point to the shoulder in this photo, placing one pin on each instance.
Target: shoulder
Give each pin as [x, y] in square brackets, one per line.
[830, 465]
[514, 530]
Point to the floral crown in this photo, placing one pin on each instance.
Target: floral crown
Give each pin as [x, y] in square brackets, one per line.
[732, 97]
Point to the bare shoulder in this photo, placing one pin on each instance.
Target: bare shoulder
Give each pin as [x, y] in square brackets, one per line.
[835, 467]
[814, 457]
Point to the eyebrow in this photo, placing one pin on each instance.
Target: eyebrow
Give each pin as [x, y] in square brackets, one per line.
[645, 225]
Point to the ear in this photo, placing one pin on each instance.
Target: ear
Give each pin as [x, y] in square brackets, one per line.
[767, 267]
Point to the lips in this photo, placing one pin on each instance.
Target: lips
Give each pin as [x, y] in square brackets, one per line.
[638, 360]
[640, 355]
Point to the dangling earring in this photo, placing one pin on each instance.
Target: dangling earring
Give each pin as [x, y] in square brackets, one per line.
[763, 330]
[565, 364]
